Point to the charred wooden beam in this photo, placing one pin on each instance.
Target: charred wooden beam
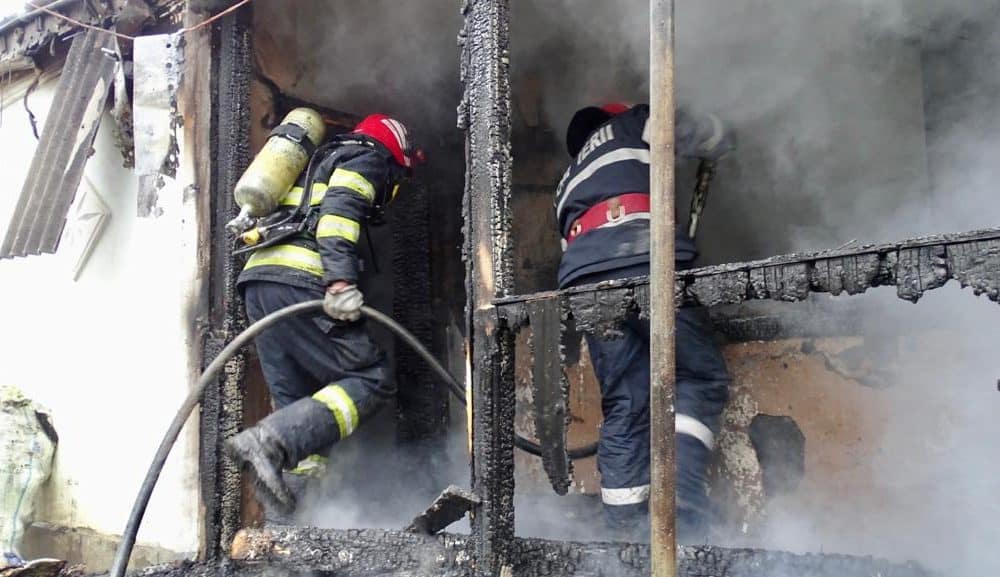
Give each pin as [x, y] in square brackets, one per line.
[421, 405]
[222, 403]
[912, 266]
[361, 553]
[550, 393]
[453, 503]
[484, 114]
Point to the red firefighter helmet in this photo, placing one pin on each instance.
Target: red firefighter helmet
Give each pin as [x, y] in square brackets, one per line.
[393, 135]
[587, 120]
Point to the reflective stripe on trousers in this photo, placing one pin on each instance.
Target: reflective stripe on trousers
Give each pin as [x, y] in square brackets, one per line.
[684, 425]
[342, 406]
[625, 495]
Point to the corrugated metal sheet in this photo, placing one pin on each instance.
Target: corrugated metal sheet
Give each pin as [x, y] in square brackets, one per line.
[64, 148]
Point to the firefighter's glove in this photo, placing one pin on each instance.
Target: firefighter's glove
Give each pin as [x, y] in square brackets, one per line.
[702, 136]
[714, 140]
[343, 302]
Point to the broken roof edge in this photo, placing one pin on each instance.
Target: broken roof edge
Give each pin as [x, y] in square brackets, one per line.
[22, 36]
[63, 149]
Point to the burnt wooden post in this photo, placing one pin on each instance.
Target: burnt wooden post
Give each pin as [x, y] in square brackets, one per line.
[222, 404]
[422, 404]
[485, 115]
[662, 506]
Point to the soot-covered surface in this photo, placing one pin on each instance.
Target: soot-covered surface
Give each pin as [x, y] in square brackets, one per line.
[357, 553]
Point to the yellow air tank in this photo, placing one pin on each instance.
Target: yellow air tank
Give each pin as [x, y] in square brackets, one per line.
[276, 167]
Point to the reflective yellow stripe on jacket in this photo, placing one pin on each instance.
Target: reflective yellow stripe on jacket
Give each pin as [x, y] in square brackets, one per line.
[287, 255]
[334, 225]
[353, 181]
[294, 196]
[345, 412]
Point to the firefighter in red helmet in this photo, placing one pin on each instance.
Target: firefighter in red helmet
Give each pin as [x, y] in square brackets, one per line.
[325, 372]
[602, 208]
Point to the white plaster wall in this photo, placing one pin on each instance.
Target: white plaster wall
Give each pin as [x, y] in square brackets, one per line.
[109, 354]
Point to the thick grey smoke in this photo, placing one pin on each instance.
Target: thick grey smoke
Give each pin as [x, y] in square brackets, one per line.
[872, 120]
[376, 483]
[865, 120]
[828, 100]
[925, 485]
[880, 121]
[396, 57]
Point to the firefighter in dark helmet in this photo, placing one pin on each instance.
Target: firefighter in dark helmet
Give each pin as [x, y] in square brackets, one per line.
[602, 208]
[325, 373]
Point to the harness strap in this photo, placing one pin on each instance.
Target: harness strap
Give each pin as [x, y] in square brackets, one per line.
[296, 134]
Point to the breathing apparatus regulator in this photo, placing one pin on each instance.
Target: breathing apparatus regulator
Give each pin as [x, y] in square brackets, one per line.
[293, 146]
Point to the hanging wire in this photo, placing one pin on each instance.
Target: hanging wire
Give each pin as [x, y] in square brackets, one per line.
[198, 26]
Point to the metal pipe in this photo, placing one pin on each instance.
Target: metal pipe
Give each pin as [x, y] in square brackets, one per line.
[662, 505]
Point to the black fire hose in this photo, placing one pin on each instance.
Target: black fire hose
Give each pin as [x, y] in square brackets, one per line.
[153, 473]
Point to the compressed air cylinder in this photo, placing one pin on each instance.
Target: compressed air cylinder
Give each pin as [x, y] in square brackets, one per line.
[274, 170]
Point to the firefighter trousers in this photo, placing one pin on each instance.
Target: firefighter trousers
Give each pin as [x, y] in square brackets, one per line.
[338, 365]
[623, 370]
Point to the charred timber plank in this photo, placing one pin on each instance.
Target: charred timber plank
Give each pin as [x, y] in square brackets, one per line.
[484, 114]
[550, 391]
[222, 403]
[35, 568]
[359, 553]
[450, 506]
[913, 266]
[371, 552]
[602, 311]
[421, 405]
[493, 444]
[976, 266]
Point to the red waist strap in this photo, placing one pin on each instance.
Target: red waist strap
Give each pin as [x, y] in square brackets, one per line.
[610, 212]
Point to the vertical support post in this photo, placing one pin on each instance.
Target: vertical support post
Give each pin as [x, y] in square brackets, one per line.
[222, 404]
[422, 405]
[485, 115]
[196, 101]
[662, 505]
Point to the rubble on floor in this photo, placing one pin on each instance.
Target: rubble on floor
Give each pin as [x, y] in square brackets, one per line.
[363, 553]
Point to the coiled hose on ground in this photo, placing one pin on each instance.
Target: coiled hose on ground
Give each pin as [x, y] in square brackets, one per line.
[153, 473]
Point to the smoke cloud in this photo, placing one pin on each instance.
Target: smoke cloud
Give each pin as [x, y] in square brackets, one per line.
[400, 58]
[866, 120]
[858, 121]
[376, 483]
[830, 103]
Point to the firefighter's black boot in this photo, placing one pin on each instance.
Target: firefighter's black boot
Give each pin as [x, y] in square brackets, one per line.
[280, 441]
[261, 449]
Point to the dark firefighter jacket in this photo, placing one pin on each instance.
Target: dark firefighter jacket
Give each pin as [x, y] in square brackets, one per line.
[614, 161]
[347, 183]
